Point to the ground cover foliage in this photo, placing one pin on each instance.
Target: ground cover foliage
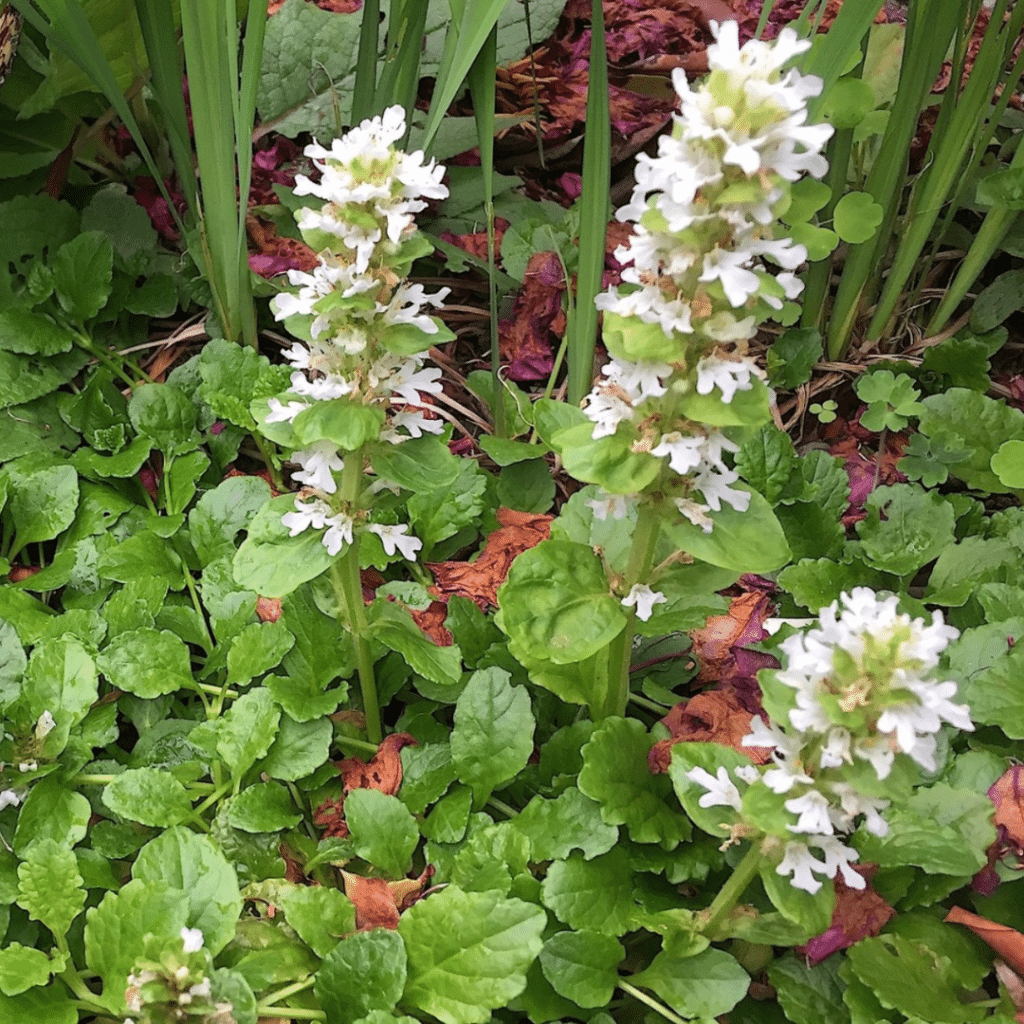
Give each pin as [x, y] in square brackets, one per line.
[345, 678]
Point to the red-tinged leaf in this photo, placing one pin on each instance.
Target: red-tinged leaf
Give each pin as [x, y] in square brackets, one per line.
[475, 243]
[431, 621]
[537, 322]
[712, 717]
[479, 580]
[379, 903]
[858, 914]
[1007, 942]
[268, 609]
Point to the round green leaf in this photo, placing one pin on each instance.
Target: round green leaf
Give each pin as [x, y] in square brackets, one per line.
[847, 102]
[857, 217]
[819, 242]
[264, 807]
[149, 796]
[364, 972]
[147, 662]
[556, 602]
[581, 966]
[706, 985]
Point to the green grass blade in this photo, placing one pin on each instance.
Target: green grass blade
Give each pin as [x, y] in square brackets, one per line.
[399, 80]
[63, 23]
[594, 212]
[930, 29]
[967, 121]
[478, 19]
[366, 62]
[482, 87]
[156, 19]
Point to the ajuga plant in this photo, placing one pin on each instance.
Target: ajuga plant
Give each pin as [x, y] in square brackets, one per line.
[359, 378]
[679, 389]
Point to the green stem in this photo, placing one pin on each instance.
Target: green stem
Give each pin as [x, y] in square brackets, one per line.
[649, 705]
[212, 798]
[272, 468]
[359, 745]
[651, 1002]
[349, 589]
[274, 998]
[295, 1014]
[500, 805]
[730, 893]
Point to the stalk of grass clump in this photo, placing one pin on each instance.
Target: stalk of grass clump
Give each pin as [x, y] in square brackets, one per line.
[64, 25]
[581, 329]
[400, 77]
[222, 118]
[366, 62]
[482, 88]
[472, 22]
[930, 30]
[969, 126]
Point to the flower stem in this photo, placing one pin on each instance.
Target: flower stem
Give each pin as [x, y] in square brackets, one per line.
[274, 998]
[349, 588]
[620, 650]
[730, 893]
[649, 1001]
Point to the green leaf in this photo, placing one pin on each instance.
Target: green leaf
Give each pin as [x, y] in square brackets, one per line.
[198, 874]
[527, 486]
[819, 242]
[259, 647]
[556, 603]
[394, 628]
[270, 561]
[303, 699]
[233, 375]
[322, 649]
[809, 994]
[815, 583]
[748, 408]
[144, 556]
[995, 693]
[427, 771]
[147, 662]
[348, 424]
[847, 103]
[1008, 464]
[608, 461]
[118, 931]
[41, 502]
[493, 734]
[220, 513]
[856, 217]
[793, 355]
[165, 415]
[51, 811]
[918, 526]
[766, 462]
[997, 301]
[421, 464]
[907, 976]
[751, 541]
[616, 774]
[978, 422]
[299, 749]
[492, 858]
[26, 378]
[82, 271]
[940, 830]
[468, 953]
[22, 968]
[718, 819]
[571, 821]
[148, 795]
[49, 1005]
[50, 887]
[706, 985]
[320, 916]
[32, 333]
[365, 972]
[247, 730]
[592, 894]
[581, 966]
[383, 831]
[264, 807]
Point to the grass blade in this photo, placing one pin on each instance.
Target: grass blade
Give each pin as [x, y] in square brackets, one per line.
[366, 62]
[594, 211]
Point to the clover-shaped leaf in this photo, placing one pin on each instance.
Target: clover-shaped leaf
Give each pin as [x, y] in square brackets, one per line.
[856, 217]
[1008, 464]
[891, 400]
[928, 459]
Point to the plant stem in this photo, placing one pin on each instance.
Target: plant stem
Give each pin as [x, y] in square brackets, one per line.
[500, 805]
[349, 589]
[360, 745]
[295, 1014]
[274, 998]
[651, 1002]
[730, 893]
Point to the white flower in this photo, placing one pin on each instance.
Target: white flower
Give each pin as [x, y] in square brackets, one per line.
[839, 857]
[314, 513]
[644, 599]
[393, 537]
[606, 407]
[684, 452]
[192, 939]
[638, 380]
[730, 267]
[338, 534]
[284, 413]
[408, 381]
[812, 809]
[319, 463]
[801, 863]
[721, 790]
[652, 306]
[416, 423]
[728, 375]
[27, 766]
[836, 750]
[696, 513]
[45, 725]
[9, 798]
[605, 505]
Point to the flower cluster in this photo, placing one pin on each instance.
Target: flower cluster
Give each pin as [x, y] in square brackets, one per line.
[854, 699]
[177, 988]
[360, 374]
[705, 212]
